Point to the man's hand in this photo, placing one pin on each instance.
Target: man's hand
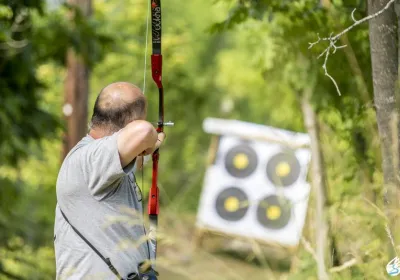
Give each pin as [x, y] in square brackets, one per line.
[161, 137]
[135, 137]
[140, 160]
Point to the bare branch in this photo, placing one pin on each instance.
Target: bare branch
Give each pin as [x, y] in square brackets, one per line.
[17, 26]
[338, 47]
[331, 49]
[316, 42]
[326, 71]
[358, 22]
[309, 248]
[389, 234]
[13, 44]
[344, 266]
[352, 15]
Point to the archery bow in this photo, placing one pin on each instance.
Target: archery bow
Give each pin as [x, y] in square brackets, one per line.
[156, 70]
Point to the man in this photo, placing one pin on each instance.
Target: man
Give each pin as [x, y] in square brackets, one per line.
[97, 193]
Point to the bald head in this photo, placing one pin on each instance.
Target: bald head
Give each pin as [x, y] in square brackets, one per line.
[117, 105]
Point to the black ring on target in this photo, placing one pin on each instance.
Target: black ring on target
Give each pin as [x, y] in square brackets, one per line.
[241, 161]
[283, 169]
[274, 212]
[232, 204]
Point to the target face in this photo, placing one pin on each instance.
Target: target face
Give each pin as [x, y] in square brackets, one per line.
[283, 169]
[274, 212]
[241, 161]
[232, 204]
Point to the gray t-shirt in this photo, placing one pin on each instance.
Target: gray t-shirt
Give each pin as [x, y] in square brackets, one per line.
[102, 201]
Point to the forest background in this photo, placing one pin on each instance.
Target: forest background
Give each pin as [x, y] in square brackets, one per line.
[248, 60]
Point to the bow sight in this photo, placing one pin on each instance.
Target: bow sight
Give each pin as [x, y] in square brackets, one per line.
[164, 124]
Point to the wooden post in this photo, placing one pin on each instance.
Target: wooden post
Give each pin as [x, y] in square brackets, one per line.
[319, 186]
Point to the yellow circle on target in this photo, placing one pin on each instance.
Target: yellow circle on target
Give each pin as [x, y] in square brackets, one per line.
[231, 204]
[273, 212]
[241, 161]
[282, 169]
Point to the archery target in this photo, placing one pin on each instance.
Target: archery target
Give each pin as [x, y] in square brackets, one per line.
[232, 204]
[274, 212]
[256, 189]
[241, 160]
[283, 169]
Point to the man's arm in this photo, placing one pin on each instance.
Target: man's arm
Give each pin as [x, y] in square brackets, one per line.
[134, 139]
[109, 158]
[140, 160]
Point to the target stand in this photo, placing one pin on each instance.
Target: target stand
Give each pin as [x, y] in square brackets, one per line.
[254, 189]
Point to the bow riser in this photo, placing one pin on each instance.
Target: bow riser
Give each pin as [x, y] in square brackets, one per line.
[156, 69]
[153, 206]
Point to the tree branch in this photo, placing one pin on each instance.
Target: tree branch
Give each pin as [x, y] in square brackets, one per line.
[332, 48]
[344, 266]
[309, 248]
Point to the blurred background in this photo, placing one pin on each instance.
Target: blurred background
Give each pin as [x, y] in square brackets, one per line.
[228, 60]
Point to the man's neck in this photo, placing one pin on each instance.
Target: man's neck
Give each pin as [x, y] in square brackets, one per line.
[97, 134]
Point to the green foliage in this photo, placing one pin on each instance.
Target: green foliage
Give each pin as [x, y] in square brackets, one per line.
[30, 37]
[21, 118]
[25, 46]
[21, 261]
[82, 35]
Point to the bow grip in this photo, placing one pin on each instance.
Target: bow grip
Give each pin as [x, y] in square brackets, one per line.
[156, 68]
[153, 205]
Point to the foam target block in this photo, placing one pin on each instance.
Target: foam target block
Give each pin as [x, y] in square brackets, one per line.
[256, 188]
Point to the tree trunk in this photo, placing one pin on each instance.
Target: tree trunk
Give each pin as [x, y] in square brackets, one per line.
[384, 57]
[76, 90]
[319, 186]
[369, 134]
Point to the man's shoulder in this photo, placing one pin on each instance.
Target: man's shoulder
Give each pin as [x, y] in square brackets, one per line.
[85, 141]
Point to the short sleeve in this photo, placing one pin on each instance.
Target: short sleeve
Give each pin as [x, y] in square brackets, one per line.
[102, 166]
